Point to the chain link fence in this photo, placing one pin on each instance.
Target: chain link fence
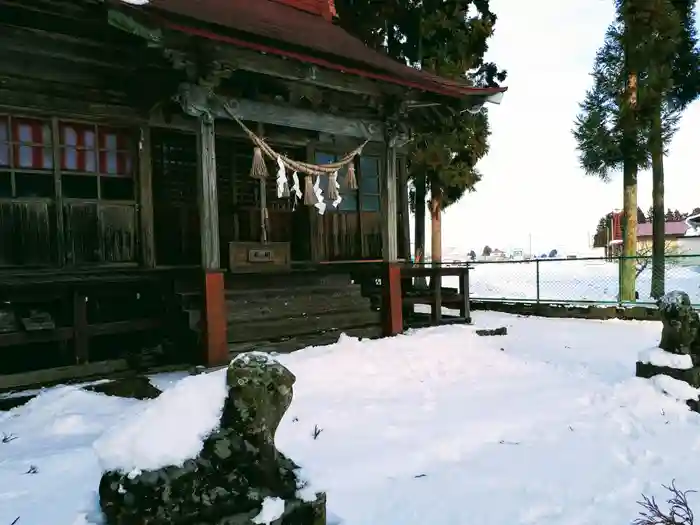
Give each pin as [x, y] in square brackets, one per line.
[585, 280]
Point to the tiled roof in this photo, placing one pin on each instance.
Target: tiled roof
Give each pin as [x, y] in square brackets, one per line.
[273, 26]
[677, 228]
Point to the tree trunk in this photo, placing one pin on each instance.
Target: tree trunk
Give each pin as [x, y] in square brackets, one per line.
[436, 229]
[435, 237]
[658, 268]
[629, 225]
[419, 245]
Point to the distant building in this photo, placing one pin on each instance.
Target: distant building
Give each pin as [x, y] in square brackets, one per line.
[673, 231]
[689, 244]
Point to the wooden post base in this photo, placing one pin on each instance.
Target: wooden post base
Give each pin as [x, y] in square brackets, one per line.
[392, 303]
[214, 334]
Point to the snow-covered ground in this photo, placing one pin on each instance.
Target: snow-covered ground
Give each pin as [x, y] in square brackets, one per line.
[546, 425]
[571, 280]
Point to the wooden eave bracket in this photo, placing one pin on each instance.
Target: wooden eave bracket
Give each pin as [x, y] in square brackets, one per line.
[128, 24]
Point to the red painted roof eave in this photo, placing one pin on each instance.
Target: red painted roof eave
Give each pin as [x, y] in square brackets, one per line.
[456, 93]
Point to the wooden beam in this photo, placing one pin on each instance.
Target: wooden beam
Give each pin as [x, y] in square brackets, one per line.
[50, 376]
[148, 249]
[22, 98]
[208, 195]
[58, 189]
[296, 71]
[195, 99]
[389, 203]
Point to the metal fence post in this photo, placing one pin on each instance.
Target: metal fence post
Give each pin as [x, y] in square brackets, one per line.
[619, 280]
[537, 279]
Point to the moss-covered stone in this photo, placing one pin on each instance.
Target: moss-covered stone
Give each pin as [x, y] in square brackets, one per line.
[237, 469]
[679, 335]
[690, 376]
[681, 324]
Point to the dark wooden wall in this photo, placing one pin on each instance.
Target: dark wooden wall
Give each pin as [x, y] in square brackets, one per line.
[61, 63]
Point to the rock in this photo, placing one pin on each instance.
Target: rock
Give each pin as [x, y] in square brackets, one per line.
[134, 387]
[491, 332]
[690, 376]
[237, 469]
[679, 336]
[681, 324]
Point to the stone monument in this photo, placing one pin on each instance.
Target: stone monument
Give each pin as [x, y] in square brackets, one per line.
[237, 473]
[678, 355]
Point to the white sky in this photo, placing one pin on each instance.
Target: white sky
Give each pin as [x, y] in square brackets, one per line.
[532, 184]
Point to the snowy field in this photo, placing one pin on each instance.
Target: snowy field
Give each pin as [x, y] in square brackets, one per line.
[544, 426]
[573, 280]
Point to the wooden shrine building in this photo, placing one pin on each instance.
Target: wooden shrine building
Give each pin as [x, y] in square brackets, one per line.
[174, 174]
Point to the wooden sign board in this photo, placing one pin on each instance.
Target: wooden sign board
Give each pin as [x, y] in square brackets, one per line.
[256, 257]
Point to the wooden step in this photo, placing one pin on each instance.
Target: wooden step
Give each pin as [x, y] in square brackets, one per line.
[284, 308]
[284, 280]
[304, 341]
[278, 329]
[190, 300]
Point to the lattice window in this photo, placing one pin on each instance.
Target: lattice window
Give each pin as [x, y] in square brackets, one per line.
[96, 162]
[26, 158]
[349, 202]
[370, 168]
[248, 189]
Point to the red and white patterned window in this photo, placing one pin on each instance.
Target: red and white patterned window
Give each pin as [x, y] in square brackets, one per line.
[115, 153]
[32, 144]
[78, 148]
[26, 158]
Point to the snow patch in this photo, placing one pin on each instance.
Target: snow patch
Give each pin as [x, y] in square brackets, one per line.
[529, 414]
[674, 388]
[272, 509]
[659, 357]
[169, 430]
[136, 2]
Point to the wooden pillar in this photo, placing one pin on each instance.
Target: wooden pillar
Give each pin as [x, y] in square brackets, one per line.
[214, 319]
[389, 204]
[404, 213]
[145, 180]
[80, 325]
[207, 195]
[392, 301]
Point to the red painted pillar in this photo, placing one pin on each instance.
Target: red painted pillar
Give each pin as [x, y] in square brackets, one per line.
[214, 319]
[392, 301]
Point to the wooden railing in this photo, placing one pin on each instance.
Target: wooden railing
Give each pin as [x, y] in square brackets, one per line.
[396, 289]
[435, 295]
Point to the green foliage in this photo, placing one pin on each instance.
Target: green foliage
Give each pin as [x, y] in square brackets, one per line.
[448, 38]
[657, 40]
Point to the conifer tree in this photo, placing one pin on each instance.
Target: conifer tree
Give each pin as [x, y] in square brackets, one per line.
[448, 38]
[643, 76]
